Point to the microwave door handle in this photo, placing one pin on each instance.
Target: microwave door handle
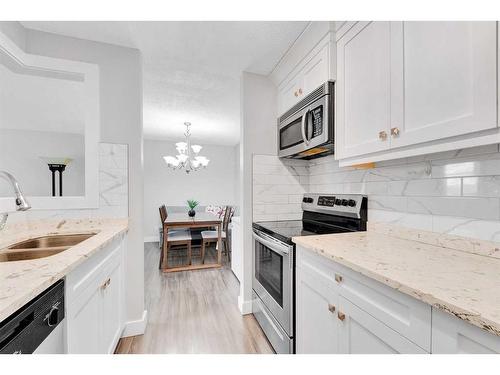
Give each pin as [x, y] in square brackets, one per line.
[304, 121]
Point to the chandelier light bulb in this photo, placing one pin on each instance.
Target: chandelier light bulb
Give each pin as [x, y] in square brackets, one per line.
[196, 148]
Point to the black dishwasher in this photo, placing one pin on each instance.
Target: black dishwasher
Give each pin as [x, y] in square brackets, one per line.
[28, 327]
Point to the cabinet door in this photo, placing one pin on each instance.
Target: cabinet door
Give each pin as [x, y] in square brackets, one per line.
[112, 308]
[444, 80]
[451, 335]
[317, 327]
[363, 89]
[360, 333]
[84, 323]
[315, 73]
[288, 94]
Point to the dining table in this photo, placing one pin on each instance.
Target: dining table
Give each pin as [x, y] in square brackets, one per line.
[183, 221]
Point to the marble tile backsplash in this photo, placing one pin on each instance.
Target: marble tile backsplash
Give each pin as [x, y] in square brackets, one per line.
[456, 192]
[278, 187]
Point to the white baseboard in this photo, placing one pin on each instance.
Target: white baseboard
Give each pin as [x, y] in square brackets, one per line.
[151, 239]
[244, 306]
[136, 327]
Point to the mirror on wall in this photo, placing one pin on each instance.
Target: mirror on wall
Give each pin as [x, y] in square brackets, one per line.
[49, 128]
[42, 133]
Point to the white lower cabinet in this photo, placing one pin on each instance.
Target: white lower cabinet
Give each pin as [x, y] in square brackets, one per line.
[328, 320]
[341, 311]
[95, 302]
[317, 326]
[453, 335]
[361, 333]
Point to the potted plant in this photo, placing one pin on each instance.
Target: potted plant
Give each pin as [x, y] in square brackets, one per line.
[192, 204]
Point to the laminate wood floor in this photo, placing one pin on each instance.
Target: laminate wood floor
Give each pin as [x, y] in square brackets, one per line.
[193, 312]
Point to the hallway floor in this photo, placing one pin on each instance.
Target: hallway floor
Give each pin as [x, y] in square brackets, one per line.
[193, 312]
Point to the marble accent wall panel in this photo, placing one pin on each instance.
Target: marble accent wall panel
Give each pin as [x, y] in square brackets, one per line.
[113, 180]
[278, 187]
[455, 192]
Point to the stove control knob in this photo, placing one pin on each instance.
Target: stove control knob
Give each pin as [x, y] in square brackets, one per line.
[351, 203]
[338, 202]
[344, 202]
[304, 200]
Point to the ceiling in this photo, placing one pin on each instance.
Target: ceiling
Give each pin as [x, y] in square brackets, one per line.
[191, 69]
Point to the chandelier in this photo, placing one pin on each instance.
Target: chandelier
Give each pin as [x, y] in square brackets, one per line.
[187, 155]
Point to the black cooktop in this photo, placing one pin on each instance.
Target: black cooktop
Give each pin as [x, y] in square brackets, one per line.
[285, 230]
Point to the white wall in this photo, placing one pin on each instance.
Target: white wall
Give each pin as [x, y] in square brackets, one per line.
[20, 152]
[162, 185]
[120, 89]
[258, 136]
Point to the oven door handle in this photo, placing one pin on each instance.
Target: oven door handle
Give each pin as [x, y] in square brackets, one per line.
[303, 124]
[272, 244]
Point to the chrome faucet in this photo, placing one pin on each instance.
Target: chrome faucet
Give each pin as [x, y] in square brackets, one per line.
[21, 202]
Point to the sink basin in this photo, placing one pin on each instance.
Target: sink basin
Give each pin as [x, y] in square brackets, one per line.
[66, 240]
[13, 255]
[42, 247]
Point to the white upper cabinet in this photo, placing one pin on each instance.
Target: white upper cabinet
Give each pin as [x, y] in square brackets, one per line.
[363, 89]
[443, 80]
[308, 64]
[410, 88]
[316, 71]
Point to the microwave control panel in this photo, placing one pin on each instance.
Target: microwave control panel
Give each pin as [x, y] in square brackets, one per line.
[317, 120]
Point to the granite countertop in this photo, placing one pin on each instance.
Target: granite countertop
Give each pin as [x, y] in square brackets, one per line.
[462, 283]
[21, 281]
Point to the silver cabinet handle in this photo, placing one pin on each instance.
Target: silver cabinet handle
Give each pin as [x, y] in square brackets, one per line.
[331, 308]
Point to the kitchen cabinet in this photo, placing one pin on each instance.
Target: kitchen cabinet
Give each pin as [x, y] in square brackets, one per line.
[340, 311]
[403, 87]
[452, 335]
[314, 73]
[363, 89]
[95, 302]
[316, 326]
[361, 333]
[444, 80]
[307, 65]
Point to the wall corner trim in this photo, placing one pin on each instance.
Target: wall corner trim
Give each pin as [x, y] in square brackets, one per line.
[136, 327]
[244, 306]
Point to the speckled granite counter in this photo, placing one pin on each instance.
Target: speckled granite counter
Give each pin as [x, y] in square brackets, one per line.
[461, 282]
[20, 281]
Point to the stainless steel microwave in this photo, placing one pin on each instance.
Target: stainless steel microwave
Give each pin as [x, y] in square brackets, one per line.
[305, 131]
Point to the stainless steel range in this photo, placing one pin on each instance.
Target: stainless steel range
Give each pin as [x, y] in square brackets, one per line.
[273, 283]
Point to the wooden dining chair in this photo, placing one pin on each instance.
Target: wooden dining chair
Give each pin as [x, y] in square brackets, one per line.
[175, 238]
[212, 236]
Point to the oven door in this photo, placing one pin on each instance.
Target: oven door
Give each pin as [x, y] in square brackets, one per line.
[306, 129]
[273, 277]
